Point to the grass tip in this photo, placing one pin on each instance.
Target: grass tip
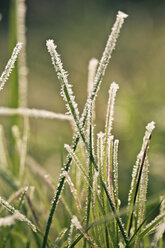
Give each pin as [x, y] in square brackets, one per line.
[122, 14]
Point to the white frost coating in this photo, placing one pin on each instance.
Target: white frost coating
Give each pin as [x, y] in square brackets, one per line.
[109, 159]
[17, 214]
[141, 201]
[115, 162]
[110, 46]
[154, 224]
[160, 230]
[149, 128]
[110, 108]
[10, 65]
[91, 73]
[66, 90]
[121, 245]
[100, 135]
[61, 235]
[70, 234]
[74, 192]
[8, 220]
[34, 113]
[122, 14]
[77, 224]
[100, 150]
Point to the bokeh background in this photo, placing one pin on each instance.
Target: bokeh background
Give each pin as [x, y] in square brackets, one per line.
[80, 29]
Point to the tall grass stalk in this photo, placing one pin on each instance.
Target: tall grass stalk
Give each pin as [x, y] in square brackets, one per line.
[98, 78]
[92, 215]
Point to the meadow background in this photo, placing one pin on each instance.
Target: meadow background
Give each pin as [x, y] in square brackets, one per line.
[80, 29]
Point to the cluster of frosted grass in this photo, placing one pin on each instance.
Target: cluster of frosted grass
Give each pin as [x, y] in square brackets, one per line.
[102, 180]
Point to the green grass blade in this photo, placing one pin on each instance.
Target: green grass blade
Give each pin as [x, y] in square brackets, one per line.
[146, 230]
[13, 39]
[137, 174]
[99, 75]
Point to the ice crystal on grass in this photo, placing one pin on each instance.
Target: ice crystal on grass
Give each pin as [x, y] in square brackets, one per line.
[17, 214]
[10, 65]
[8, 220]
[145, 145]
[77, 224]
[110, 46]
[110, 108]
[160, 229]
[33, 113]
[109, 159]
[100, 150]
[142, 193]
[91, 73]
[115, 162]
[74, 192]
[66, 88]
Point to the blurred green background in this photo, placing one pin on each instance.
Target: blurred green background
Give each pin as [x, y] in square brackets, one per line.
[80, 29]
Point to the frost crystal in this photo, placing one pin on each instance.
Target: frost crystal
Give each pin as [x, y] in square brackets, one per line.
[66, 88]
[77, 224]
[145, 145]
[110, 108]
[8, 220]
[34, 113]
[110, 46]
[150, 127]
[10, 65]
[91, 73]
[17, 214]
[100, 150]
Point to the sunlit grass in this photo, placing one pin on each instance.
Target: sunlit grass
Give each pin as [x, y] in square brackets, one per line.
[86, 209]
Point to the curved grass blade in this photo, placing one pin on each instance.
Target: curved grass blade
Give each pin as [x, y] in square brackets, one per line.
[138, 173]
[141, 225]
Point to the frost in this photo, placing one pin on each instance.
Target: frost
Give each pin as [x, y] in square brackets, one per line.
[100, 150]
[77, 224]
[115, 163]
[10, 65]
[150, 127]
[91, 73]
[110, 46]
[74, 192]
[66, 88]
[8, 220]
[17, 214]
[145, 145]
[110, 108]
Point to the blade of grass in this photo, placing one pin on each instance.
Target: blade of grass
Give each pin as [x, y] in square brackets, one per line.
[142, 224]
[138, 173]
[90, 173]
[98, 79]
[13, 39]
